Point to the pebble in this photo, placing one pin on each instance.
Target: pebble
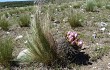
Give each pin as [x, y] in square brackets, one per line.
[65, 19]
[94, 35]
[94, 67]
[102, 29]
[19, 37]
[108, 63]
[7, 32]
[92, 17]
[56, 21]
[108, 66]
[103, 24]
[70, 6]
[25, 41]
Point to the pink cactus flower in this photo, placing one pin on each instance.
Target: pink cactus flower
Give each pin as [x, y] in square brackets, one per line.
[70, 39]
[75, 35]
[73, 43]
[80, 43]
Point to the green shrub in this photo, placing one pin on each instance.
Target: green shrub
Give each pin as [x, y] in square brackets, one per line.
[6, 49]
[24, 20]
[41, 42]
[90, 5]
[4, 23]
[75, 19]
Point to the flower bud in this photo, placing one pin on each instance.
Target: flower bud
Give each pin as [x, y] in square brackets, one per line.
[73, 43]
[80, 43]
[70, 39]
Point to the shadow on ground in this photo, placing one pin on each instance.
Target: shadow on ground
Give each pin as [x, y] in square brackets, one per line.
[81, 59]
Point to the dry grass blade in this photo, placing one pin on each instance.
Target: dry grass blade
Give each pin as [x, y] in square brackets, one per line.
[41, 42]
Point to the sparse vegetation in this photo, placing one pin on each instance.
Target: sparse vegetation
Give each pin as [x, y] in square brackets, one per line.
[99, 52]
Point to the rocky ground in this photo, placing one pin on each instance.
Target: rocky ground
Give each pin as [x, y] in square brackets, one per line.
[95, 33]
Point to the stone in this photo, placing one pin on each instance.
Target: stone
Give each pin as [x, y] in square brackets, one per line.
[19, 37]
[25, 56]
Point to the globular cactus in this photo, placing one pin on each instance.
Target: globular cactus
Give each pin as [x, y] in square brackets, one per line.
[72, 38]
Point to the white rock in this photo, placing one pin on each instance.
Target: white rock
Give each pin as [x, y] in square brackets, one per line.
[108, 63]
[25, 56]
[70, 6]
[7, 32]
[94, 67]
[65, 19]
[19, 37]
[92, 17]
[103, 24]
[97, 43]
[25, 41]
[108, 67]
[103, 29]
[94, 35]
[108, 33]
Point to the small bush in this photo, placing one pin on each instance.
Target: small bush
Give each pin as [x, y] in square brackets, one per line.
[6, 49]
[4, 23]
[41, 42]
[24, 20]
[90, 5]
[75, 19]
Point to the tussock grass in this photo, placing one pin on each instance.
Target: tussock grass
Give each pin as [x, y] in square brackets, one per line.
[75, 19]
[41, 43]
[6, 49]
[4, 23]
[24, 20]
[90, 5]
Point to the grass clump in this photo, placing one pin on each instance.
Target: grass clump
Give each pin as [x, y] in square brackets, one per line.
[99, 52]
[90, 5]
[41, 42]
[99, 3]
[6, 49]
[77, 5]
[75, 19]
[24, 20]
[4, 23]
